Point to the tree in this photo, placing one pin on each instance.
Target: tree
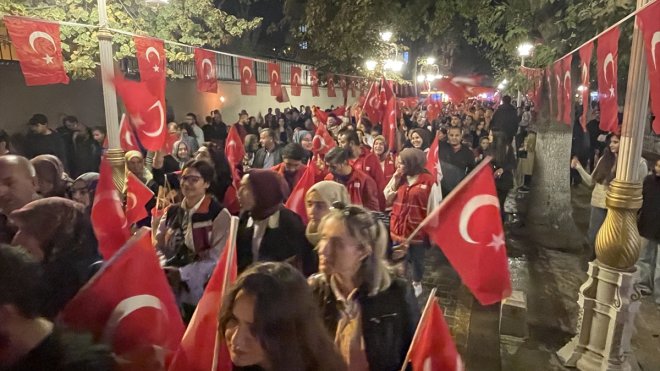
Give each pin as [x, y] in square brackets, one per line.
[193, 22]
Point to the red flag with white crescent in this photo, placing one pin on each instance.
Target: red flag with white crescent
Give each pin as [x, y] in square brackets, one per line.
[234, 151]
[607, 53]
[322, 142]
[145, 110]
[568, 86]
[314, 77]
[137, 197]
[296, 77]
[129, 305]
[39, 50]
[585, 61]
[344, 88]
[559, 90]
[372, 104]
[467, 227]
[353, 82]
[647, 20]
[296, 200]
[108, 218]
[127, 139]
[331, 86]
[248, 78]
[205, 67]
[274, 79]
[433, 108]
[150, 55]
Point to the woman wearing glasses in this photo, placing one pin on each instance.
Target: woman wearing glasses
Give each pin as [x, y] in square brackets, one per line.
[192, 234]
[371, 314]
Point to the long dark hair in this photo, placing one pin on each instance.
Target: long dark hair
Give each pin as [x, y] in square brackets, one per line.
[222, 179]
[287, 321]
[500, 148]
[606, 168]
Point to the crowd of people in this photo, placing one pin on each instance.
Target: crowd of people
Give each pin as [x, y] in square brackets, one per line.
[324, 280]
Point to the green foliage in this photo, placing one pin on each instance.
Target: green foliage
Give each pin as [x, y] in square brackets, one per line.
[193, 22]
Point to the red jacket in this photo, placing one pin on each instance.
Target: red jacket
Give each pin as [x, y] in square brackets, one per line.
[361, 188]
[370, 164]
[409, 208]
[389, 167]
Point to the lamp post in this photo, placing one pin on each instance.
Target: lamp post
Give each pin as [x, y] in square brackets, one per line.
[524, 50]
[428, 61]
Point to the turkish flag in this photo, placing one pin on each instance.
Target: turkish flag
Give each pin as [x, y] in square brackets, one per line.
[607, 53]
[331, 86]
[467, 227]
[145, 110]
[344, 88]
[128, 304]
[454, 88]
[389, 113]
[322, 142]
[434, 168]
[137, 197]
[296, 73]
[372, 104]
[559, 92]
[274, 79]
[647, 20]
[39, 50]
[296, 200]
[585, 60]
[314, 77]
[207, 77]
[353, 82]
[169, 142]
[434, 349]
[127, 139]
[548, 80]
[150, 55]
[248, 78]
[201, 343]
[323, 116]
[108, 218]
[433, 108]
[234, 151]
[568, 86]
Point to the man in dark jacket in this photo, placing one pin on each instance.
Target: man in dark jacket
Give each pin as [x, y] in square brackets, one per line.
[43, 141]
[30, 341]
[270, 154]
[456, 160]
[649, 229]
[505, 118]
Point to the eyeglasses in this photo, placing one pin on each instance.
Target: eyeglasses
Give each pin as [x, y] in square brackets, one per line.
[191, 178]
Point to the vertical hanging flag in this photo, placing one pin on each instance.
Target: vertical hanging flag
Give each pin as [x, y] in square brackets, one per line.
[353, 82]
[207, 77]
[248, 79]
[145, 110]
[151, 63]
[648, 23]
[296, 73]
[344, 88]
[39, 50]
[389, 113]
[607, 53]
[568, 86]
[548, 81]
[331, 86]
[372, 104]
[274, 79]
[585, 60]
[314, 77]
[557, 68]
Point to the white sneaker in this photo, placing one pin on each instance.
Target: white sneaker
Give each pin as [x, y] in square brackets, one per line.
[417, 287]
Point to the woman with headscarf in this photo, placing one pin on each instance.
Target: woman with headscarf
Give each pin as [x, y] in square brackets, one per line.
[181, 152]
[304, 138]
[408, 193]
[387, 159]
[59, 234]
[318, 201]
[83, 189]
[52, 181]
[267, 231]
[420, 139]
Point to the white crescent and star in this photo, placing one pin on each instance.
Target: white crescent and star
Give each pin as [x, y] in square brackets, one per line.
[654, 41]
[152, 50]
[247, 79]
[585, 71]
[567, 87]
[161, 122]
[125, 308]
[470, 207]
[211, 73]
[608, 59]
[131, 201]
[42, 35]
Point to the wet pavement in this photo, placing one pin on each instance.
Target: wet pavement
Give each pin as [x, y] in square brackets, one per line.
[551, 280]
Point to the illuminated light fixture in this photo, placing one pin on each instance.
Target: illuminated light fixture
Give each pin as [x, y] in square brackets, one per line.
[501, 86]
[386, 36]
[222, 98]
[581, 88]
[396, 66]
[430, 60]
[420, 78]
[438, 77]
[525, 49]
[371, 64]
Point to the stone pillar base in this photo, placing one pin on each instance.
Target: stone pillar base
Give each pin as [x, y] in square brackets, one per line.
[608, 306]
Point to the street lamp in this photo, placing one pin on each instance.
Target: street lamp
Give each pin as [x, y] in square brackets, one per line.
[430, 60]
[371, 64]
[524, 50]
[386, 36]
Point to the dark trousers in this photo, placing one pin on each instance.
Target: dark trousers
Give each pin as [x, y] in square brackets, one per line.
[415, 259]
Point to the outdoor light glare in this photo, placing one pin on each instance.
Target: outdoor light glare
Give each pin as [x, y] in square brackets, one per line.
[397, 66]
[386, 36]
[157, 1]
[501, 86]
[222, 99]
[371, 65]
[505, 82]
[581, 88]
[438, 77]
[525, 49]
[420, 78]
[430, 60]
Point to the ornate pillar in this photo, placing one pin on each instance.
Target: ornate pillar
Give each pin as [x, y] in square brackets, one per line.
[608, 300]
[115, 155]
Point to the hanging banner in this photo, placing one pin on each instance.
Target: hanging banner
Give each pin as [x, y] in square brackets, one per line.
[568, 89]
[274, 79]
[248, 79]
[585, 61]
[647, 20]
[331, 86]
[207, 78]
[314, 77]
[296, 88]
[150, 54]
[607, 53]
[557, 73]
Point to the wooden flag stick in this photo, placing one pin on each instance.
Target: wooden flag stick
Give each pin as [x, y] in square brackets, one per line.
[431, 300]
[233, 232]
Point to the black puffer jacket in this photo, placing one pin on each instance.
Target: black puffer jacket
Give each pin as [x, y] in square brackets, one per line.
[389, 319]
[505, 119]
[649, 214]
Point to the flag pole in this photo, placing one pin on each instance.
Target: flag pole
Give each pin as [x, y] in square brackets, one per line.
[450, 196]
[429, 302]
[233, 231]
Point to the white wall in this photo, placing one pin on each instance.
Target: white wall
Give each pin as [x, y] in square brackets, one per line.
[84, 99]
